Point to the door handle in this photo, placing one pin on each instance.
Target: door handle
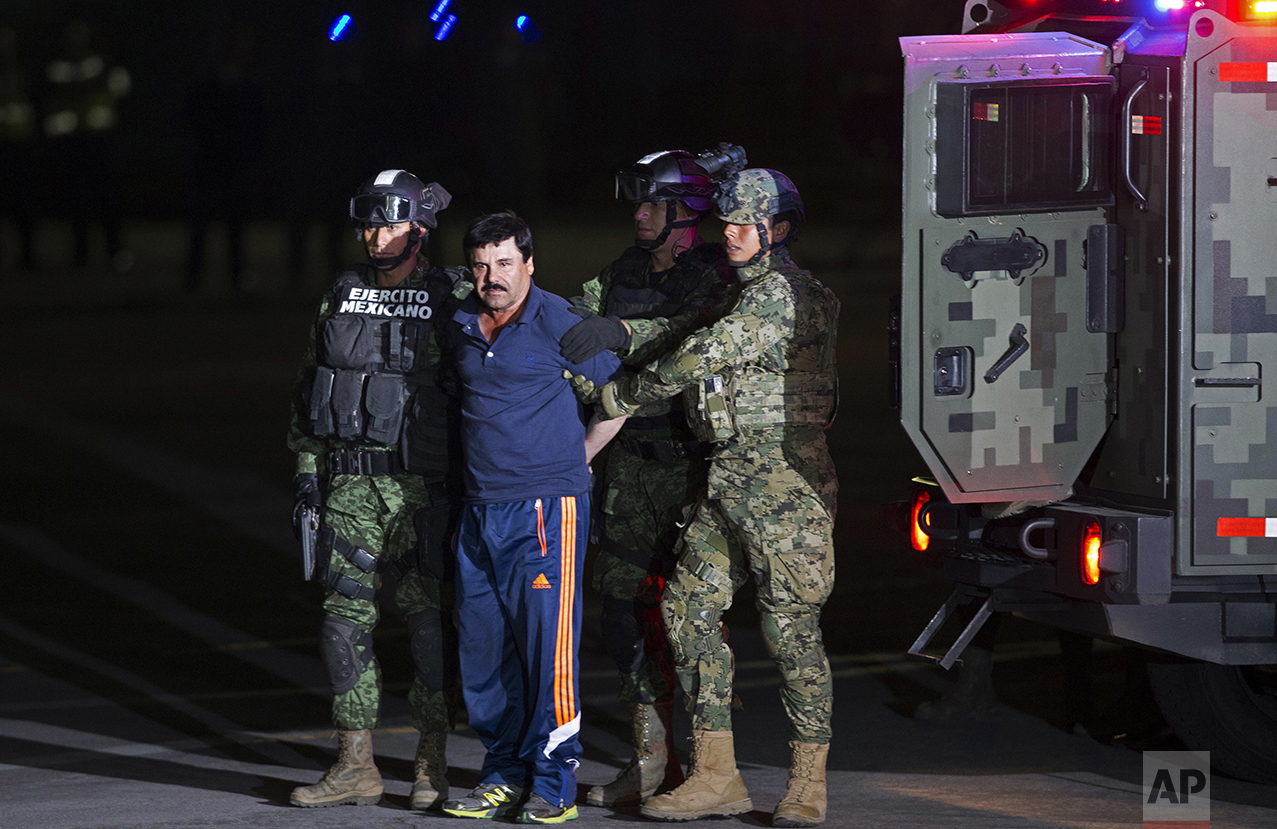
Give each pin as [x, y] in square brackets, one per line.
[1019, 345]
[1126, 141]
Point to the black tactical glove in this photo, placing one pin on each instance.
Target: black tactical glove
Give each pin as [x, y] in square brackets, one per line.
[592, 335]
[308, 495]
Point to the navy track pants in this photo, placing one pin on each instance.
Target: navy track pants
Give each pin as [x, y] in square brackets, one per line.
[519, 571]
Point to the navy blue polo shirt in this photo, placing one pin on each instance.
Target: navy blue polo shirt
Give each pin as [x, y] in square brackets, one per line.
[522, 427]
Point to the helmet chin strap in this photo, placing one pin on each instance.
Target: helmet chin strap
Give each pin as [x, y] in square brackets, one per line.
[671, 223]
[389, 263]
[765, 247]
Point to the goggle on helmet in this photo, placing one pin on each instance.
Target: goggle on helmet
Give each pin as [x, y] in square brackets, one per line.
[394, 196]
[665, 176]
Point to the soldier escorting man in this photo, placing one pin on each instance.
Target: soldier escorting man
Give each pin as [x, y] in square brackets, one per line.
[372, 414]
[375, 443]
[660, 290]
[761, 385]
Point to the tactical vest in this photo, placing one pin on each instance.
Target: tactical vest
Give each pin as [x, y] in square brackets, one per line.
[753, 397]
[374, 384]
[630, 297]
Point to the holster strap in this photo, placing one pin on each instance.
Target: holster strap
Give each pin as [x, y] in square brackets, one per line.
[347, 586]
[358, 556]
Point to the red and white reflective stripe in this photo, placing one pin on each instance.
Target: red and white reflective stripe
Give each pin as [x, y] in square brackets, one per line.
[1248, 72]
[1246, 528]
[1146, 125]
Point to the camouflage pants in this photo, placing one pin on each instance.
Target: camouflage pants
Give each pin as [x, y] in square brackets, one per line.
[644, 501]
[376, 513]
[781, 531]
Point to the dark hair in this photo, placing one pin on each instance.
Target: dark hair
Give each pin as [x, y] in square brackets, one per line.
[794, 218]
[495, 228]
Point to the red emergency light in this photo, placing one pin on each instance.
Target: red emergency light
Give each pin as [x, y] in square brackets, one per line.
[1091, 541]
[918, 535]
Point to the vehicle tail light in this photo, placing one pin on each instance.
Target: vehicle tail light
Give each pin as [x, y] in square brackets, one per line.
[1091, 540]
[917, 531]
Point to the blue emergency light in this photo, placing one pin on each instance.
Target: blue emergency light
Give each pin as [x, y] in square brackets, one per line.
[341, 29]
[440, 8]
[1169, 5]
[528, 29]
[445, 28]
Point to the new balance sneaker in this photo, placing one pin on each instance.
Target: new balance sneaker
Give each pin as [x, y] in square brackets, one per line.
[540, 810]
[487, 800]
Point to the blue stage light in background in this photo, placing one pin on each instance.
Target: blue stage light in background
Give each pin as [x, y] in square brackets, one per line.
[440, 8]
[342, 28]
[445, 28]
[528, 29]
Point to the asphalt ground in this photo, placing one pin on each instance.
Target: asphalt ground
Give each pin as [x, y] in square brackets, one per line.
[158, 648]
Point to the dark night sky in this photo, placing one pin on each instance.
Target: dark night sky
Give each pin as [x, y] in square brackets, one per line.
[811, 88]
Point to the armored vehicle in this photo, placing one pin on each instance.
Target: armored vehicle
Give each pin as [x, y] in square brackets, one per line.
[1087, 319]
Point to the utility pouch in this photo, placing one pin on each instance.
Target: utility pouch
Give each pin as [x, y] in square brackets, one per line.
[385, 397]
[339, 346]
[709, 409]
[401, 345]
[348, 393]
[321, 399]
[435, 527]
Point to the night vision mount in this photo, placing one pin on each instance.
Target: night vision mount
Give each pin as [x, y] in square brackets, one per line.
[723, 162]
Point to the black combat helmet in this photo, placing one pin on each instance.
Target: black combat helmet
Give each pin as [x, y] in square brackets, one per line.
[394, 196]
[667, 176]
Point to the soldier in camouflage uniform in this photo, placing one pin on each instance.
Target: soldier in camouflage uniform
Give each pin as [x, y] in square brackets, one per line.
[371, 421]
[659, 291]
[760, 383]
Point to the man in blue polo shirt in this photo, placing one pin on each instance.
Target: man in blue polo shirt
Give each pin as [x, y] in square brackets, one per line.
[523, 529]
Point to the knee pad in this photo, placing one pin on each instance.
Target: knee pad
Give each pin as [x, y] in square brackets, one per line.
[338, 639]
[693, 630]
[432, 638]
[793, 639]
[622, 633]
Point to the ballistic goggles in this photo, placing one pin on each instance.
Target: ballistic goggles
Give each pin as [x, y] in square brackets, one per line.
[381, 209]
[631, 187]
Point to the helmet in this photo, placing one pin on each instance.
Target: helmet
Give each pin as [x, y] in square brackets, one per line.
[394, 196]
[668, 175]
[752, 196]
[757, 194]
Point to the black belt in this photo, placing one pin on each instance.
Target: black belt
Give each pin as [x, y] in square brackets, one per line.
[352, 462]
[661, 565]
[664, 450]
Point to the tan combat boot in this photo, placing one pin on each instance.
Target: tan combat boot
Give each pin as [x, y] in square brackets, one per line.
[804, 800]
[714, 787]
[353, 778]
[430, 784]
[654, 767]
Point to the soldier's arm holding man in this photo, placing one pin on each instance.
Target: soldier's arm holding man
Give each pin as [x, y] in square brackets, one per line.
[639, 341]
[709, 300]
[762, 317]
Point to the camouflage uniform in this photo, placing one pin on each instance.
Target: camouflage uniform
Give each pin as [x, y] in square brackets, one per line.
[379, 514]
[771, 495]
[655, 468]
